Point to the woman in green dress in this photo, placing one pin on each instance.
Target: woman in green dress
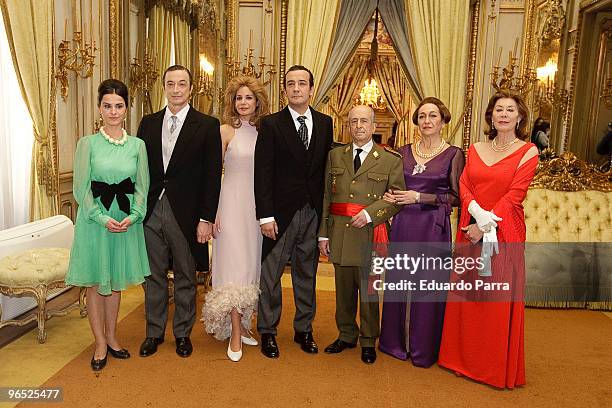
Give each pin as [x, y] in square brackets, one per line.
[111, 181]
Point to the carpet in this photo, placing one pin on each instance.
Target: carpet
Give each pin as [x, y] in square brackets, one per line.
[568, 363]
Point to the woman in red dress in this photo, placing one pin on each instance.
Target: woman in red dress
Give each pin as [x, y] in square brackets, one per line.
[483, 334]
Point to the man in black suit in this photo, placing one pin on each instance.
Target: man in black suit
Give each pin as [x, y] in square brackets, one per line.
[184, 150]
[290, 160]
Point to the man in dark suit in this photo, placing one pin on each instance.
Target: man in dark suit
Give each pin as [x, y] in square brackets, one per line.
[290, 160]
[184, 150]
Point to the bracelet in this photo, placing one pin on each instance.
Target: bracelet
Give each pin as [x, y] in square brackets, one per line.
[417, 197]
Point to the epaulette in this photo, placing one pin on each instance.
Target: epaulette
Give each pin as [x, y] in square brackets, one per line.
[337, 144]
[394, 152]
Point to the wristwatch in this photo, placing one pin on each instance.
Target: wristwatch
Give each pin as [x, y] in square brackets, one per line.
[417, 197]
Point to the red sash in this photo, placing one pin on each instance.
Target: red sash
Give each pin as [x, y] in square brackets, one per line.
[380, 238]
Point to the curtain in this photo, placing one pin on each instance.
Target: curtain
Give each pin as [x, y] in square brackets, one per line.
[393, 15]
[29, 30]
[17, 141]
[160, 27]
[396, 89]
[353, 17]
[310, 29]
[182, 43]
[341, 96]
[441, 29]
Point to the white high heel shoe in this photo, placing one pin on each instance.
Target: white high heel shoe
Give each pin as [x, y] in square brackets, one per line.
[234, 355]
[249, 341]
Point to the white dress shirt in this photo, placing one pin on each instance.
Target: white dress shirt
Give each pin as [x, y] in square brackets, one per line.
[309, 125]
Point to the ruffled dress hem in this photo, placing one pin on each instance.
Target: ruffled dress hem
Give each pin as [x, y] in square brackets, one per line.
[219, 304]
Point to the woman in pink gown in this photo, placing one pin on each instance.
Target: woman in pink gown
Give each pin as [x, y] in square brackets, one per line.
[236, 257]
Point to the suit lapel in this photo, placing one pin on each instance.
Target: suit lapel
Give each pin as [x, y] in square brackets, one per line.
[290, 132]
[370, 160]
[156, 140]
[183, 141]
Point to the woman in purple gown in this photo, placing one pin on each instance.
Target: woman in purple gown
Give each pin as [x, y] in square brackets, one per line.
[413, 328]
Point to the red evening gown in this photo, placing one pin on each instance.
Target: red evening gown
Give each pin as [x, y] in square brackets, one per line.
[483, 340]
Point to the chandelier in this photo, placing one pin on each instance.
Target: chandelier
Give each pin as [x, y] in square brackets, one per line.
[370, 95]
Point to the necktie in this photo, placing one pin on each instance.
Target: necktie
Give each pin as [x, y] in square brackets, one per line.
[173, 125]
[357, 161]
[303, 131]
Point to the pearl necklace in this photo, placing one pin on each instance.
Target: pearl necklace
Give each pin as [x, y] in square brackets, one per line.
[434, 153]
[114, 141]
[502, 148]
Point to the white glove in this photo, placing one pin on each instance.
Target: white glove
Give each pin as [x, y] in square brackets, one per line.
[484, 219]
[489, 247]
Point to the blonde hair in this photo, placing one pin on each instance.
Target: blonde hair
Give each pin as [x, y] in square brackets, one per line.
[230, 114]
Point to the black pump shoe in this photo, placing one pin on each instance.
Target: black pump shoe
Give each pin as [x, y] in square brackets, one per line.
[98, 365]
[122, 354]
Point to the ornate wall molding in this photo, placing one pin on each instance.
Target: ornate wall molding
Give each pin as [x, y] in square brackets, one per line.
[469, 97]
[568, 173]
[113, 34]
[283, 52]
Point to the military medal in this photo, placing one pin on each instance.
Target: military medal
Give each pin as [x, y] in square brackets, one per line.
[334, 183]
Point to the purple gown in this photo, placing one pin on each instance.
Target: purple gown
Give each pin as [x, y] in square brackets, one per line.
[427, 221]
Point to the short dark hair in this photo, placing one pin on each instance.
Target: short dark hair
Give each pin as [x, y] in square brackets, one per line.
[523, 110]
[177, 68]
[444, 112]
[299, 68]
[113, 86]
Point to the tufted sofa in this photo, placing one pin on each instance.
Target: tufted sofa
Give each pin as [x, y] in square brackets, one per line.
[568, 255]
[33, 263]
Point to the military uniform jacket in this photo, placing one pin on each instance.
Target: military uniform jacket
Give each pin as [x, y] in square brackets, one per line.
[381, 170]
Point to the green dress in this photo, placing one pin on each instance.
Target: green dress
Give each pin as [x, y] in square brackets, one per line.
[111, 261]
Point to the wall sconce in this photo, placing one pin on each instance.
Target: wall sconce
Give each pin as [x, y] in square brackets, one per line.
[143, 77]
[548, 91]
[204, 85]
[508, 80]
[262, 71]
[80, 59]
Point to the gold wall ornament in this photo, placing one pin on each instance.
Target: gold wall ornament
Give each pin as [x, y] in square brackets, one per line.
[142, 78]
[606, 89]
[206, 11]
[113, 31]
[78, 57]
[471, 73]
[492, 15]
[283, 52]
[568, 173]
[553, 23]
[508, 80]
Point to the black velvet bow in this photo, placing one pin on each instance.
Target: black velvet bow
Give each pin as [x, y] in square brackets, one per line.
[109, 191]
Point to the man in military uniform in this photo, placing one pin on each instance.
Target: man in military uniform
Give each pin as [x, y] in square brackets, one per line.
[354, 213]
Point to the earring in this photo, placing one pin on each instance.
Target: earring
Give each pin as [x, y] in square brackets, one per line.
[493, 125]
[518, 123]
